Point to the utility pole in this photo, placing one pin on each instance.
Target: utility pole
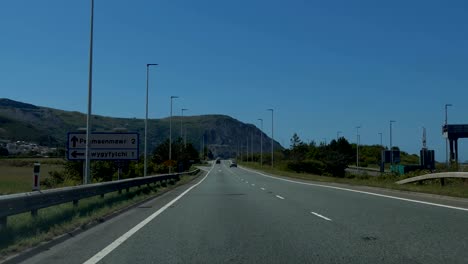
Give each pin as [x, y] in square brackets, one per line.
[391, 146]
[170, 135]
[357, 146]
[87, 171]
[261, 142]
[146, 118]
[272, 135]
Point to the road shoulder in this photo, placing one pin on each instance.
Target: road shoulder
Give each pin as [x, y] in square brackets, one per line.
[80, 244]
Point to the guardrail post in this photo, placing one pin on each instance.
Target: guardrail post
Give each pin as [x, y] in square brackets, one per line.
[120, 191]
[442, 181]
[127, 189]
[75, 203]
[34, 212]
[3, 222]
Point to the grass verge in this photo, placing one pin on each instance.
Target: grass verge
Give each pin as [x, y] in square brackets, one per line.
[24, 231]
[16, 173]
[453, 187]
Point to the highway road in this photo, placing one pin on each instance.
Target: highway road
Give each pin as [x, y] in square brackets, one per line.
[233, 215]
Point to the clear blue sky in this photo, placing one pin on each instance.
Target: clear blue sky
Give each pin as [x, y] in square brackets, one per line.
[324, 66]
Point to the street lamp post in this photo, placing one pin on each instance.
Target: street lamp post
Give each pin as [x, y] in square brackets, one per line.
[170, 134]
[380, 134]
[272, 135]
[182, 111]
[181, 126]
[87, 171]
[251, 144]
[357, 146]
[261, 141]
[446, 139]
[391, 146]
[146, 118]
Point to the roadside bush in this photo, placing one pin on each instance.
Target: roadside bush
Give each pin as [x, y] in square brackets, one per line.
[308, 166]
[335, 164]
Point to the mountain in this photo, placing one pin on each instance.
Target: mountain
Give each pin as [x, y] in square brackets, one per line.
[49, 127]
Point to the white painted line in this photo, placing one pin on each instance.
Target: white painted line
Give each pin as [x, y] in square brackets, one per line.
[262, 189]
[321, 216]
[219, 170]
[253, 184]
[363, 192]
[101, 254]
[282, 198]
[246, 182]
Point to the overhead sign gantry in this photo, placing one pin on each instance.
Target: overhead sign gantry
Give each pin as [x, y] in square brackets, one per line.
[453, 133]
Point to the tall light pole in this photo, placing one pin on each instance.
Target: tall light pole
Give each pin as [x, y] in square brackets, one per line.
[170, 133]
[357, 146]
[181, 126]
[446, 139]
[251, 144]
[272, 135]
[338, 135]
[261, 141]
[391, 146]
[380, 134]
[87, 172]
[182, 111]
[146, 117]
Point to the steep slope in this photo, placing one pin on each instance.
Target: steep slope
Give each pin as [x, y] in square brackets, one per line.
[223, 135]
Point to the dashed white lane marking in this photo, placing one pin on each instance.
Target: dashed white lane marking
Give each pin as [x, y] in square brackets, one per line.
[253, 184]
[262, 189]
[357, 191]
[321, 216]
[281, 197]
[101, 254]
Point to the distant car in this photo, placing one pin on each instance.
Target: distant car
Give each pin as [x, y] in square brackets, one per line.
[218, 161]
[233, 164]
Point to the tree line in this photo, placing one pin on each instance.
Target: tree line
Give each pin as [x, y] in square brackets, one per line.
[183, 156]
[327, 159]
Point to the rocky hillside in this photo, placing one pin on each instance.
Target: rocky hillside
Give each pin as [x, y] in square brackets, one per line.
[46, 126]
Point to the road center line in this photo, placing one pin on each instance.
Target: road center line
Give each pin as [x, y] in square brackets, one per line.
[321, 216]
[253, 184]
[262, 189]
[363, 192]
[282, 198]
[101, 254]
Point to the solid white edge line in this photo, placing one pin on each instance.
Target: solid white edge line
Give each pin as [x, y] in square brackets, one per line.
[282, 198]
[363, 192]
[321, 216]
[104, 252]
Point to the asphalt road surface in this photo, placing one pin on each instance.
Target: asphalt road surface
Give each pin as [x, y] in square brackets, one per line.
[235, 215]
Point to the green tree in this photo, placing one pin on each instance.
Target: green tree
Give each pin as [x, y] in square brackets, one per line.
[298, 149]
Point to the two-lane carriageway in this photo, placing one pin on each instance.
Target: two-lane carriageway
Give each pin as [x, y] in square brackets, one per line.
[234, 215]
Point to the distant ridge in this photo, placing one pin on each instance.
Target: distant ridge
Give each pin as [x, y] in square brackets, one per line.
[223, 134]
